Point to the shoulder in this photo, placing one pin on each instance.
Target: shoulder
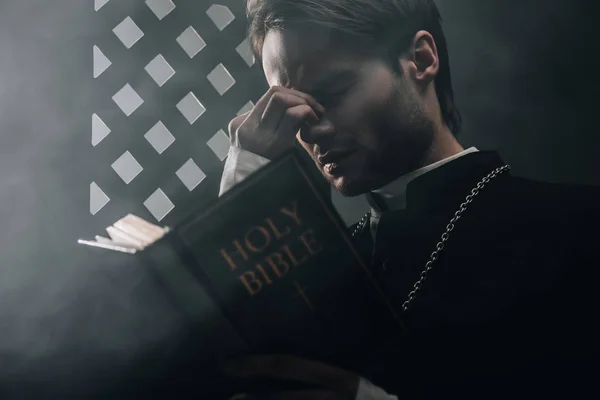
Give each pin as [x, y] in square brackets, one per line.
[557, 198]
[555, 211]
[539, 211]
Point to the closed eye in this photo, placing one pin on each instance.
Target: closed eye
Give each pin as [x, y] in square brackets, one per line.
[332, 97]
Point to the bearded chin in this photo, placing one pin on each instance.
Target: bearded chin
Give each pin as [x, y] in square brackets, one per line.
[350, 189]
[370, 178]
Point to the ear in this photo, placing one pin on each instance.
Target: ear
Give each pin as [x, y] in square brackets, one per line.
[421, 61]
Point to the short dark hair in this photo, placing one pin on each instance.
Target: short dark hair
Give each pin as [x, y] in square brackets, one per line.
[387, 25]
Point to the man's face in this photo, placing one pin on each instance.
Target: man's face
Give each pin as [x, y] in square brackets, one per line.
[374, 128]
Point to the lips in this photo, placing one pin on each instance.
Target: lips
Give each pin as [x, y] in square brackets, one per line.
[333, 156]
[332, 162]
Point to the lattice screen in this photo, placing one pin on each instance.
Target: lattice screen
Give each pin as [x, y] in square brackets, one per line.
[170, 75]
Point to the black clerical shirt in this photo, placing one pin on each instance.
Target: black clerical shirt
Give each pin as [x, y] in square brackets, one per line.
[509, 308]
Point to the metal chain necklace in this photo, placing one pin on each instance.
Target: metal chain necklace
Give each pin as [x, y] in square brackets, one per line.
[445, 236]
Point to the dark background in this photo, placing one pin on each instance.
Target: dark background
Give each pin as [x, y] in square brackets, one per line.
[525, 77]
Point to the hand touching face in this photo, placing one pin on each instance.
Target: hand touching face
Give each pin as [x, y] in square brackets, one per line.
[270, 128]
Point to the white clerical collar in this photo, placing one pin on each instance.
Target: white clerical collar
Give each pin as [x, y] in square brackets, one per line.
[393, 195]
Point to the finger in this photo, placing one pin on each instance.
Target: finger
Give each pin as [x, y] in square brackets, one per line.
[295, 117]
[277, 108]
[266, 119]
[262, 103]
[296, 369]
[235, 123]
[310, 100]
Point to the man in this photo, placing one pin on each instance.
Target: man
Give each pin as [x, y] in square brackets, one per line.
[495, 276]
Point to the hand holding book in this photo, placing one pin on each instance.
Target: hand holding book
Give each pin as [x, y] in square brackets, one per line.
[268, 268]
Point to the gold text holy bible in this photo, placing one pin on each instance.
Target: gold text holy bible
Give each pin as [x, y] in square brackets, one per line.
[267, 268]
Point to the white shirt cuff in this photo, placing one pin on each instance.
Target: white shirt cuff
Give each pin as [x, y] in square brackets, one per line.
[368, 391]
[239, 165]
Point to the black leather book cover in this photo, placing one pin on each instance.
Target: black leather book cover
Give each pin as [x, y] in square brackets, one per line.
[270, 268]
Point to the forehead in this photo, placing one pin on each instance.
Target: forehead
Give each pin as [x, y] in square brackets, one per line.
[300, 58]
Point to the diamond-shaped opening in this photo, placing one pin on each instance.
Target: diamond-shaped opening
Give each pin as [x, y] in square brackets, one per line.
[221, 79]
[98, 199]
[159, 70]
[244, 50]
[128, 32]
[159, 137]
[247, 107]
[191, 42]
[160, 8]
[127, 167]
[101, 62]
[127, 99]
[191, 108]
[190, 174]
[219, 144]
[220, 15]
[98, 4]
[159, 204]
[99, 130]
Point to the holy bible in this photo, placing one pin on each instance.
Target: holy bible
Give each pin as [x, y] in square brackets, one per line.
[269, 267]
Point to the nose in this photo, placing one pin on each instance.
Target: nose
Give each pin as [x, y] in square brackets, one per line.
[313, 134]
